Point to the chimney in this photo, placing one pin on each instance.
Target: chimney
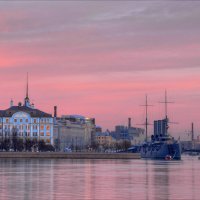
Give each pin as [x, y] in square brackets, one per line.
[129, 122]
[192, 132]
[55, 111]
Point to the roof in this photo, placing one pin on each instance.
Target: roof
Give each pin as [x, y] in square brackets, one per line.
[102, 134]
[33, 112]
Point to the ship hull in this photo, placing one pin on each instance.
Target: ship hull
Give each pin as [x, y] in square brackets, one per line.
[161, 150]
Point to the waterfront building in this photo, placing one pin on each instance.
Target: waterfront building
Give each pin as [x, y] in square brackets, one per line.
[133, 134]
[104, 138]
[25, 121]
[73, 131]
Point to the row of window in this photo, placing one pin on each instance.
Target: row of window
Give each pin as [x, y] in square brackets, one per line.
[21, 127]
[27, 134]
[26, 120]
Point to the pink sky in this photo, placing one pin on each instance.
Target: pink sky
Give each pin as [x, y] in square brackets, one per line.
[99, 59]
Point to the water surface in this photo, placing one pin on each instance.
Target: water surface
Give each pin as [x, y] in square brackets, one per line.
[99, 179]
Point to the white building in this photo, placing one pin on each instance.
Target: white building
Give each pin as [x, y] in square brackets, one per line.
[73, 131]
[24, 121]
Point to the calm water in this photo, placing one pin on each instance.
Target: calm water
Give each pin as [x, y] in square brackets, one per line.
[100, 179]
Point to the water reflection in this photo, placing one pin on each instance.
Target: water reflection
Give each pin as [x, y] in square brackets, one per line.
[99, 179]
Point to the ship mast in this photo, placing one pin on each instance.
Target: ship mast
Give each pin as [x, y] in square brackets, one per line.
[166, 114]
[146, 113]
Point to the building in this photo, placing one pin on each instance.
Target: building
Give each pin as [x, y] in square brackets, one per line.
[24, 121]
[104, 138]
[133, 134]
[73, 131]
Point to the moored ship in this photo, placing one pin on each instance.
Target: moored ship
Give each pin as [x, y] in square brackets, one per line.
[162, 145]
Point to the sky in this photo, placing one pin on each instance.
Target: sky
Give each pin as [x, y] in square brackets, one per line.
[100, 58]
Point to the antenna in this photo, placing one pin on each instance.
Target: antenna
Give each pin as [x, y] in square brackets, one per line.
[146, 111]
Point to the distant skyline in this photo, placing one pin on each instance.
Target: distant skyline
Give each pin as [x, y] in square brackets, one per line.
[100, 58]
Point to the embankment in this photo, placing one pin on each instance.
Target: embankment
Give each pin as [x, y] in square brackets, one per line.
[74, 155]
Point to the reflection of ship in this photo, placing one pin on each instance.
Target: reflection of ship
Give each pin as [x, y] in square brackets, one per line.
[162, 145]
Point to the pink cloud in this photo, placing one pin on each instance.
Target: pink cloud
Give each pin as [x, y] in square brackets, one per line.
[101, 61]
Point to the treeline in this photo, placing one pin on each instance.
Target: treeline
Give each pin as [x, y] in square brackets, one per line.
[122, 145]
[19, 144]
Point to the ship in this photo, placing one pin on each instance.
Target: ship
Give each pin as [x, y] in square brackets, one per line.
[161, 145]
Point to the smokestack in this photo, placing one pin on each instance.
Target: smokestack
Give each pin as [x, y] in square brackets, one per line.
[129, 122]
[55, 111]
[192, 132]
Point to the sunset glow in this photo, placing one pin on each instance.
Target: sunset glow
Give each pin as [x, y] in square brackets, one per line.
[100, 59]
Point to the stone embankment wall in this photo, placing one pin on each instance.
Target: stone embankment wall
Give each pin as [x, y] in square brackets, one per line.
[75, 155]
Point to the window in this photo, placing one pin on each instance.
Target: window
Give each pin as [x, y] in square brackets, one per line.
[34, 133]
[42, 127]
[48, 127]
[48, 134]
[7, 120]
[21, 120]
[35, 121]
[26, 120]
[42, 134]
[34, 127]
[15, 120]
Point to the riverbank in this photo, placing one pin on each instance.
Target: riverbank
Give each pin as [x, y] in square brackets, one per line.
[74, 155]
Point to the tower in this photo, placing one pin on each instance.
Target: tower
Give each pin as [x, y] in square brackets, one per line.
[11, 103]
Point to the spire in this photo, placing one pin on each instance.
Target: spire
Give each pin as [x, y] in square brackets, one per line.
[26, 100]
[27, 86]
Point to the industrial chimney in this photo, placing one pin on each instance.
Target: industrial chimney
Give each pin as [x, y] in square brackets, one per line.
[192, 132]
[55, 111]
[129, 122]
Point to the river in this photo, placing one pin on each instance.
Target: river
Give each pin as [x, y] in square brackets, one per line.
[58, 179]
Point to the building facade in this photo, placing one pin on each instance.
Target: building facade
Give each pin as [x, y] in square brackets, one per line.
[24, 121]
[73, 131]
[104, 138]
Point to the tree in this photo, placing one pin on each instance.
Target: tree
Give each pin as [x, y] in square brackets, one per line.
[28, 144]
[41, 145]
[19, 145]
[126, 144]
[6, 144]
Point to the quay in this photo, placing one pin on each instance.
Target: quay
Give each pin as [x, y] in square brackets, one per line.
[71, 155]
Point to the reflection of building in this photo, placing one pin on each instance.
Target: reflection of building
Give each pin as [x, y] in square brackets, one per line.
[73, 131]
[24, 121]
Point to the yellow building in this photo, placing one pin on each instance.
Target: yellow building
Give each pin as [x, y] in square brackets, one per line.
[104, 138]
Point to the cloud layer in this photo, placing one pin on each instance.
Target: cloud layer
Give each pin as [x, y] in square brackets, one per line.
[99, 58]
